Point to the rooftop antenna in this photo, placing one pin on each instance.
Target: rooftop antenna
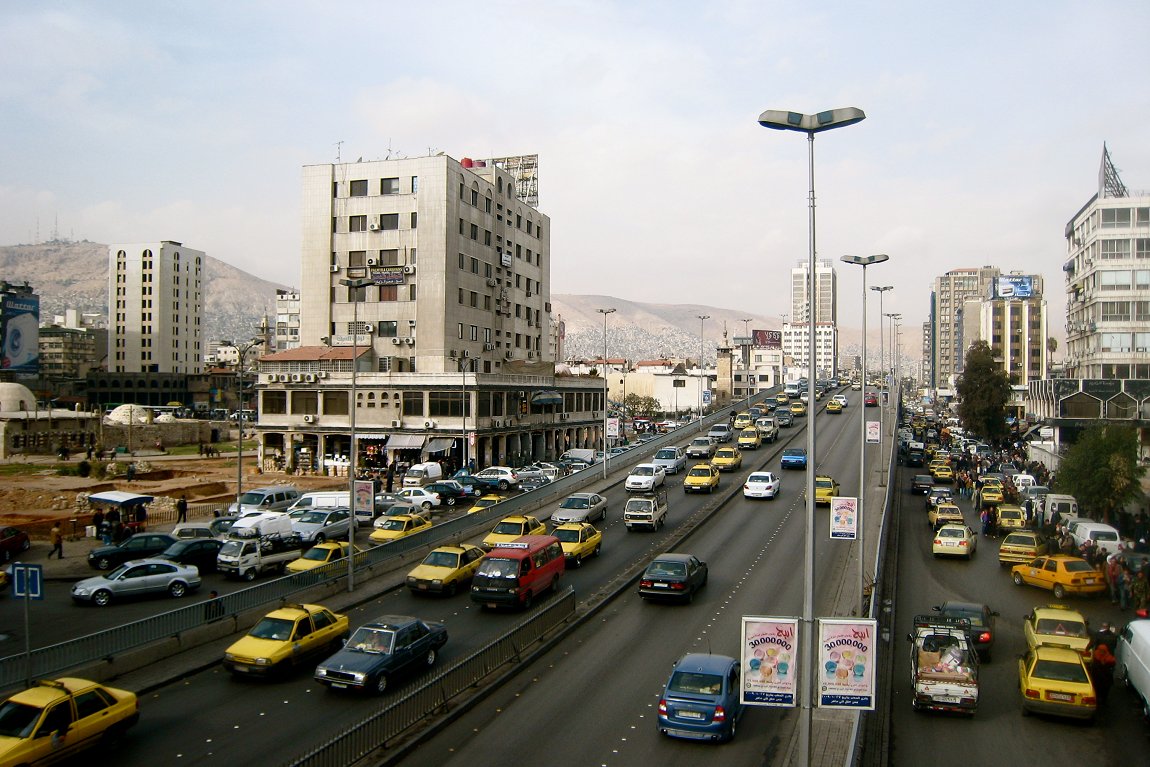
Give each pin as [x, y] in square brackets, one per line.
[338, 151]
[1109, 183]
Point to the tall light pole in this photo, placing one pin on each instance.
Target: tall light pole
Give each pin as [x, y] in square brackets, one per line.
[354, 286]
[864, 262]
[881, 290]
[605, 312]
[810, 125]
[242, 350]
[893, 317]
[702, 318]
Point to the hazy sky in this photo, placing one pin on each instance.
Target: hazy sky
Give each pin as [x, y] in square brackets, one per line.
[190, 121]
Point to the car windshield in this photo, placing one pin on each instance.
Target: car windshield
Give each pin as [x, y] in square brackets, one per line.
[642, 471]
[442, 559]
[1077, 566]
[793, 452]
[566, 535]
[951, 532]
[312, 518]
[974, 616]
[18, 719]
[824, 482]
[661, 567]
[278, 629]
[694, 683]
[699, 473]
[317, 554]
[1057, 671]
[118, 572]
[508, 528]
[376, 641]
[759, 478]
[393, 524]
[1060, 627]
[499, 567]
[725, 453]
[703, 441]
[574, 503]
[252, 499]
[665, 454]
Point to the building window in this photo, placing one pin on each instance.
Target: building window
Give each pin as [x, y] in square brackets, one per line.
[474, 299]
[358, 189]
[414, 220]
[1115, 342]
[335, 402]
[389, 221]
[1115, 311]
[1115, 249]
[474, 232]
[462, 227]
[486, 237]
[1142, 342]
[1113, 218]
[1142, 311]
[389, 186]
[413, 403]
[461, 331]
[389, 257]
[475, 266]
[414, 184]
[462, 261]
[474, 333]
[388, 328]
[357, 223]
[357, 258]
[487, 205]
[475, 198]
[445, 404]
[388, 293]
[1142, 279]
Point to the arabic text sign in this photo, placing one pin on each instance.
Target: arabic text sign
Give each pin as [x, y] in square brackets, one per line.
[770, 661]
[844, 518]
[846, 663]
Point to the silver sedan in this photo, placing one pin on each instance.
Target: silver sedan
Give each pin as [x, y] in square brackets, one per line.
[138, 577]
[318, 524]
[581, 507]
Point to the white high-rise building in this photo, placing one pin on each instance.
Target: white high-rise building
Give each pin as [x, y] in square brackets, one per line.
[154, 308]
[796, 341]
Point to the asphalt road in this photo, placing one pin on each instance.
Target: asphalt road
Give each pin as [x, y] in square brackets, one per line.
[998, 733]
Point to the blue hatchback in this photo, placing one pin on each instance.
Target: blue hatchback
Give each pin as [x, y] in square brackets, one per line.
[794, 458]
[702, 698]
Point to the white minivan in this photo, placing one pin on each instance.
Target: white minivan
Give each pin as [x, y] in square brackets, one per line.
[1103, 535]
[1133, 660]
[422, 474]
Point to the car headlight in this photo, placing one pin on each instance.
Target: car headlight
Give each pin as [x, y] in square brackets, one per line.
[263, 661]
[412, 580]
[321, 672]
[229, 657]
[82, 592]
[437, 582]
[358, 677]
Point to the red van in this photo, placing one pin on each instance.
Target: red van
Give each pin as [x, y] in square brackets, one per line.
[514, 573]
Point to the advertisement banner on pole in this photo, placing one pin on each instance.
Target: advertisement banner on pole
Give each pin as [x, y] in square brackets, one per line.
[612, 428]
[844, 518]
[846, 663]
[364, 501]
[769, 661]
[873, 432]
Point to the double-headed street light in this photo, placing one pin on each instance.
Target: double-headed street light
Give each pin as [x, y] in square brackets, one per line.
[864, 262]
[605, 312]
[702, 318]
[354, 286]
[883, 392]
[810, 125]
[893, 317]
[242, 350]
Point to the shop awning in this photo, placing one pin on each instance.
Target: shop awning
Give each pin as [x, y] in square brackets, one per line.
[119, 498]
[439, 444]
[545, 398]
[406, 442]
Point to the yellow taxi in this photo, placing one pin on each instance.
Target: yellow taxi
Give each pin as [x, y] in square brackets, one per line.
[825, 489]
[942, 473]
[320, 555]
[702, 478]
[58, 718]
[579, 541]
[1011, 517]
[781, 398]
[399, 526]
[991, 495]
[834, 406]
[1020, 547]
[750, 439]
[742, 421]
[1058, 626]
[727, 459]
[798, 407]
[1054, 680]
[484, 502]
[1061, 573]
[445, 569]
[510, 528]
[944, 514]
[286, 637]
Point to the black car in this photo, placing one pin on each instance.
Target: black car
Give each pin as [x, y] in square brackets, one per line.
[921, 484]
[533, 483]
[981, 619]
[939, 494]
[450, 493]
[138, 546]
[784, 417]
[201, 552]
[472, 485]
[379, 650]
[915, 458]
[673, 576]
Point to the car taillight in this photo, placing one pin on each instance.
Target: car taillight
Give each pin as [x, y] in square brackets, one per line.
[678, 586]
[1089, 700]
[984, 637]
[1032, 694]
[720, 714]
[962, 543]
[937, 541]
[646, 584]
[663, 706]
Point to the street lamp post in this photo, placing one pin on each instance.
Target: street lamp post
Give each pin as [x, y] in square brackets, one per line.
[810, 125]
[242, 350]
[702, 318]
[881, 290]
[353, 287]
[864, 262]
[605, 312]
[893, 317]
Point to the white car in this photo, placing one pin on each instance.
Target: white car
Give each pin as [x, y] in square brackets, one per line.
[762, 484]
[954, 541]
[421, 498]
[499, 477]
[645, 477]
[841, 399]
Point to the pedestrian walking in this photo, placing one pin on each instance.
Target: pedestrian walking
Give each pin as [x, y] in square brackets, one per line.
[56, 537]
[1102, 672]
[131, 471]
[182, 509]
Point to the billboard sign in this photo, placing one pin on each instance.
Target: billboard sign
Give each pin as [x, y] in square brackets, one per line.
[387, 275]
[20, 333]
[767, 339]
[846, 663]
[612, 428]
[844, 518]
[1013, 286]
[769, 662]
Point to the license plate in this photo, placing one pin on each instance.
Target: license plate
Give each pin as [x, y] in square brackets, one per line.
[1089, 581]
[491, 605]
[659, 585]
[339, 686]
[241, 669]
[1060, 696]
[945, 699]
[423, 586]
[690, 715]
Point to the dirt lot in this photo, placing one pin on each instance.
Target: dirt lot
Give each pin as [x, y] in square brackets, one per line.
[32, 496]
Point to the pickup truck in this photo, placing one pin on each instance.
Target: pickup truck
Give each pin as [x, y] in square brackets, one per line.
[648, 510]
[701, 447]
[943, 665]
[248, 557]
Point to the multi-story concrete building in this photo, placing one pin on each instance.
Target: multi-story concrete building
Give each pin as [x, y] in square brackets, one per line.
[1108, 284]
[826, 293]
[951, 290]
[430, 279]
[796, 343]
[1012, 321]
[154, 307]
[287, 320]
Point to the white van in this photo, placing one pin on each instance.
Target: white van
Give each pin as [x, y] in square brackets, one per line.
[1023, 481]
[1103, 535]
[325, 499]
[1066, 506]
[791, 390]
[422, 474]
[1133, 666]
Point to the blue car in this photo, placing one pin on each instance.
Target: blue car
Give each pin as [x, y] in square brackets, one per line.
[701, 699]
[794, 458]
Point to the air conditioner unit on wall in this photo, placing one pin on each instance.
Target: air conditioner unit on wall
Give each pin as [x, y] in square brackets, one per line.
[396, 424]
[284, 377]
[373, 226]
[296, 377]
[309, 419]
[321, 374]
[410, 341]
[510, 354]
[530, 355]
[409, 269]
[309, 378]
[488, 347]
[396, 340]
[563, 416]
[492, 282]
[429, 424]
[269, 378]
[466, 354]
[373, 262]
